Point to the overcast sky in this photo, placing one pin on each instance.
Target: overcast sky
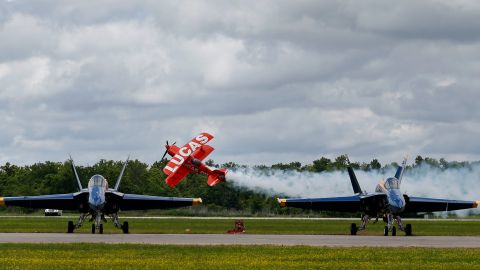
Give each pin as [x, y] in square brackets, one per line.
[273, 81]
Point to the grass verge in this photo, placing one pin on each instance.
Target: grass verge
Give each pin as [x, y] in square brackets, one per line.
[253, 226]
[127, 256]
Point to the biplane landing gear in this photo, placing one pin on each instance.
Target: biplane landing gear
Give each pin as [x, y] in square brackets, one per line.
[71, 227]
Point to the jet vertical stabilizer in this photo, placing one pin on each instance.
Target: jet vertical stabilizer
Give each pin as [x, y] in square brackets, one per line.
[401, 169]
[72, 164]
[121, 174]
[353, 179]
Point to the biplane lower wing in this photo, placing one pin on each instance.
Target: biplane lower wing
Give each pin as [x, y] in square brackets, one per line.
[174, 178]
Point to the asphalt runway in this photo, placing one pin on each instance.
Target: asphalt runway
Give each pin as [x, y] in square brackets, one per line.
[248, 239]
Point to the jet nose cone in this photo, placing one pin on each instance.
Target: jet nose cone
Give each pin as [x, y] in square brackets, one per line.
[396, 202]
[397, 205]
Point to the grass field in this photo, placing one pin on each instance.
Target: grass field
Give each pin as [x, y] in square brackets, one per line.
[125, 256]
[253, 226]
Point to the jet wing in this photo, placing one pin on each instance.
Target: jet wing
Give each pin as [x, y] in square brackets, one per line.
[174, 178]
[69, 201]
[338, 204]
[143, 202]
[417, 204]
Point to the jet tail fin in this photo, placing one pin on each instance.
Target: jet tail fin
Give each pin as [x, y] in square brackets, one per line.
[72, 164]
[353, 179]
[117, 184]
[216, 177]
[400, 170]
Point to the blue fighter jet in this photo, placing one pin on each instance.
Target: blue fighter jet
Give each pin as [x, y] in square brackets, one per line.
[98, 201]
[387, 202]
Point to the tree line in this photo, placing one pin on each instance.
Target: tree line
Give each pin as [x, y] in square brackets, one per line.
[140, 178]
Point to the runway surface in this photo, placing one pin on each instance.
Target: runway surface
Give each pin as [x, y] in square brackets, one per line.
[247, 239]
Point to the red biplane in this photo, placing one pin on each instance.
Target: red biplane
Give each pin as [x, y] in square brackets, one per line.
[189, 158]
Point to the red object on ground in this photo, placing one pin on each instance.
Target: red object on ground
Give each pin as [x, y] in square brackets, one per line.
[239, 227]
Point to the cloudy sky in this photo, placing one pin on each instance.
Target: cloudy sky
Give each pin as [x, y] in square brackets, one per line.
[274, 81]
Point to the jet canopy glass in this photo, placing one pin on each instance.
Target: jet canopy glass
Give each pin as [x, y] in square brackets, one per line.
[98, 181]
[392, 183]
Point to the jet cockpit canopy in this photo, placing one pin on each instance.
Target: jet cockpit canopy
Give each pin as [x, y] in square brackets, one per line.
[392, 183]
[98, 181]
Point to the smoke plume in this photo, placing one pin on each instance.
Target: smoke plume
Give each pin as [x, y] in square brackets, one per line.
[419, 181]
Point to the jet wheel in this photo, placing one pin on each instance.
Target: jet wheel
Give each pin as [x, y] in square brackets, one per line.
[101, 229]
[394, 231]
[353, 229]
[93, 228]
[385, 231]
[71, 227]
[125, 227]
[408, 230]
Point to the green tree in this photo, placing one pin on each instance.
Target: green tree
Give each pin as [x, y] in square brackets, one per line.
[418, 160]
[322, 164]
[375, 165]
[341, 162]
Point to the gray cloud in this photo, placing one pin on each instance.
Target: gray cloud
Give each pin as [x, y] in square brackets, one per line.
[274, 81]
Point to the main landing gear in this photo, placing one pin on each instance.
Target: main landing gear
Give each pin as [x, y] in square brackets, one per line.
[389, 228]
[117, 224]
[354, 229]
[71, 227]
[97, 226]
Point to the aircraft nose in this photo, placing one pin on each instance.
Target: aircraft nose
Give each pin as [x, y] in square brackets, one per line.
[397, 204]
[96, 200]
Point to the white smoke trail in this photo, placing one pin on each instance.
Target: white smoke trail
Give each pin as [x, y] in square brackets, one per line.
[422, 181]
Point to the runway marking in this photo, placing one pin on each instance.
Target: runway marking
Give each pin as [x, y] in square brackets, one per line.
[248, 239]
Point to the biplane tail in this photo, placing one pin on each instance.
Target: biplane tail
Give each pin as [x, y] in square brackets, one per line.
[217, 176]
